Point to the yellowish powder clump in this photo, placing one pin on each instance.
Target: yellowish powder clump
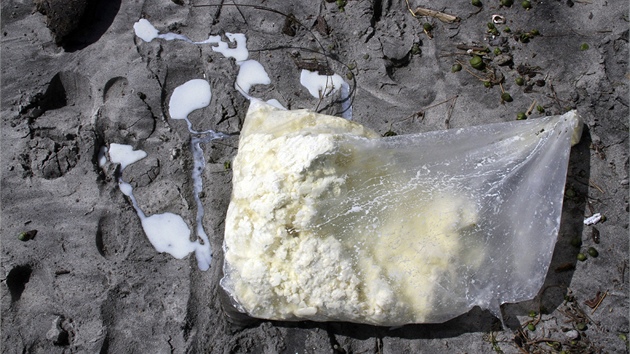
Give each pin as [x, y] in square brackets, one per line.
[321, 228]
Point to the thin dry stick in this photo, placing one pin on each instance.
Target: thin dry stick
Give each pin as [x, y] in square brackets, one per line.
[471, 47]
[531, 108]
[240, 12]
[542, 340]
[599, 302]
[442, 16]
[439, 103]
[470, 72]
[450, 113]
[409, 8]
[592, 183]
[555, 96]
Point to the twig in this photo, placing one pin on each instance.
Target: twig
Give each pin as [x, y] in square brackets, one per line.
[420, 113]
[471, 47]
[449, 113]
[541, 340]
[531, 108]
[217, 13]
[240, 12]
[471, 14]
[409, 8]
[555, 96]
[600, 301]
[590, 182]
[442, 16]
[470, 72]
[439, 103]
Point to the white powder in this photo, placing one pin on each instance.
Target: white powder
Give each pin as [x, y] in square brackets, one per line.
[287, 256]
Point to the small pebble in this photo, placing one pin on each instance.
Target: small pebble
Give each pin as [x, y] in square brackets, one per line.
[572, 334]
[503, 59]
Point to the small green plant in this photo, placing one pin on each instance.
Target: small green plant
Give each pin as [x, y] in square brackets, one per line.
[576, 242]
[476, 62]
[415, 49]
[524, 37]
[27, 235]
[389, 133]
[341, 5]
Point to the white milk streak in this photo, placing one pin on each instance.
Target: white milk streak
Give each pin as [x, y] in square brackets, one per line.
[250, 73]
[102, 156]
[196, 94]
[125, 155]
[147, 32]
[186, 98]
[192, 95]
[167, 232]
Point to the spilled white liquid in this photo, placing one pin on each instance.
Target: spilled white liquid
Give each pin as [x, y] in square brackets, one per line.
[169, 232]
[193, 95]
[320, 86]
[250, 73]
[186, 98]
[102, 156]
[147, 32]
[124, 155]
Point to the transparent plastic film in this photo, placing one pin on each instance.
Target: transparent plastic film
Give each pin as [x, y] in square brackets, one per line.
[331, 222]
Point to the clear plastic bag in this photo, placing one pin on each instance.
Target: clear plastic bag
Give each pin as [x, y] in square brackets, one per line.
[328, 221]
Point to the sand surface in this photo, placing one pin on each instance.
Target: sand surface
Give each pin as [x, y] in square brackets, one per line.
[90, 281]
